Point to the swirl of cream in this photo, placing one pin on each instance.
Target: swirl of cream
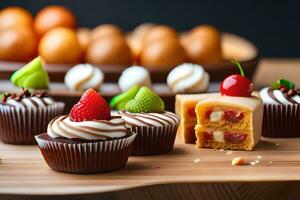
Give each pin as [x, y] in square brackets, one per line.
[63, 126]
[271, 96]
[188, 77]
[149, 119]
[134, 75]
[83, 77]
[31, 102]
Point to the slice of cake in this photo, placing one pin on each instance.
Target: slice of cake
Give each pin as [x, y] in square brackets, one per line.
[185, 108]
[225, 122]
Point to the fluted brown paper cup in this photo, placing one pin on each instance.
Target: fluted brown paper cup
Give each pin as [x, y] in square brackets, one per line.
[281, 121]
[20, 125]
[153, 140]
[78, 156]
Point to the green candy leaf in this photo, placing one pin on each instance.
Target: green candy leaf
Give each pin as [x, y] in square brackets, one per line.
[119, 102]
[32, 75]
[283, 82]
[145, 101]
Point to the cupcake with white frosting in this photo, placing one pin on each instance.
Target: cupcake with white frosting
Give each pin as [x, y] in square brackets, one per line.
[88, 140]
[135, 75]
[281, 110]
[155, 128]
[188, 78]
[25, 115]
[84, 76]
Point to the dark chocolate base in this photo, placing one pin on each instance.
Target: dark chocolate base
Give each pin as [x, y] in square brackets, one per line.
[79, 156]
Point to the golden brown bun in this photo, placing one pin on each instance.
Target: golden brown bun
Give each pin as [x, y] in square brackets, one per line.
[203, 45]
[163, 53]
[15, 17]
[83, 35]
[140, 31]
[17, 44]
[51, 17]
[60, 45]
[160, 32]
[109, 50]
[105, 30]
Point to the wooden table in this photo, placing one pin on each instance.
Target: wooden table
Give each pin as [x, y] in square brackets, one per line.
[206, 173]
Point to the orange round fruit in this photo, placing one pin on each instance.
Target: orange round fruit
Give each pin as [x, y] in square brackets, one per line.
[15, 17]
[109, 50]
[105, 30]
[51, 17]
[162, 53]
[60, 45]
[203, 45]
[17, 44]
[160, 32]
[83, 35]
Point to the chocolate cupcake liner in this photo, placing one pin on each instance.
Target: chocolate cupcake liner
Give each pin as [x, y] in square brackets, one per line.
[86, 157]
[153, 140]
[281, 121]
[20, 125]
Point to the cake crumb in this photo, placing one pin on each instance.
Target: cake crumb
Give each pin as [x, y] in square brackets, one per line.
[228, 152]
[277, 144]
[220, 149]
[257, 161]
[258, 157]
[238, 161]
[252, 163]
[197, 160]
[270, 162]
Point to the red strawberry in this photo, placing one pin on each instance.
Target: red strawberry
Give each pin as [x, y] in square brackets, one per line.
[91, 106]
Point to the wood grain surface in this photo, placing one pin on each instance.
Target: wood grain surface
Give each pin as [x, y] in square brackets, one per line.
[24, 171]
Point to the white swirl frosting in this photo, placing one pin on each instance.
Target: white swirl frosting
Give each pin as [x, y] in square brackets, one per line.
[63, 126]
[149, 119]
[83, 77]
[134, 75]
[188, 77]
[31, 102]
[271, 96]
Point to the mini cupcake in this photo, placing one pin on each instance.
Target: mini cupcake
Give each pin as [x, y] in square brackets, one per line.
[88, 140]
[155, 128]
[281, 110]
[25, 115]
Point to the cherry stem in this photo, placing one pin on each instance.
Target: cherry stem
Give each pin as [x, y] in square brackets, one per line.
[233, 61]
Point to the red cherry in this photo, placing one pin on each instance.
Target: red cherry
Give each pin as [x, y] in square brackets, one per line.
[236, 85]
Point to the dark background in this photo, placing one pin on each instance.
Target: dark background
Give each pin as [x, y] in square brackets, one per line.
[274, 26]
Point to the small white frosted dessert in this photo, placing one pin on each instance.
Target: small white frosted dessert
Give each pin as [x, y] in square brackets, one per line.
[188, 78]
[84, 76]
[134, 75]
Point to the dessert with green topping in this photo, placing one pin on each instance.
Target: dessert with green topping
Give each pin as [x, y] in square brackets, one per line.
[118, 102]
[281, 109]
[156, 128]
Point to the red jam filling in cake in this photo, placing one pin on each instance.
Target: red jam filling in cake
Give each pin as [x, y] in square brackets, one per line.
[215, 115]
[226, 136]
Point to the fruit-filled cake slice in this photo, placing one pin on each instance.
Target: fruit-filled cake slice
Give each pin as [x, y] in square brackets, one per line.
[229, 122]
[185, 108]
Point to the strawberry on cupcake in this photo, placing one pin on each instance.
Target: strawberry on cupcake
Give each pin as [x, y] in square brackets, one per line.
[88, 140]
[155, 128]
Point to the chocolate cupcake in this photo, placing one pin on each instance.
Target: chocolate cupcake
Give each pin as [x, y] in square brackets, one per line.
[155, 128]
[88, 140]
[25, 115]
[281, 110]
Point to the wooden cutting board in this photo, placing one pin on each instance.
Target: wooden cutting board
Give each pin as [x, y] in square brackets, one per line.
[24, 171]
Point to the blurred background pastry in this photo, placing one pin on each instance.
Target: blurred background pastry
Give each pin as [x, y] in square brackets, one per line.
[83, 35]
[166, 52]
[15, 17]
[104, 30]
[84, 76]
[109, 50]
[203, 45]
[188, 78]
[60, 45]
[134, 75]
[17, 44]
[51, 17]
